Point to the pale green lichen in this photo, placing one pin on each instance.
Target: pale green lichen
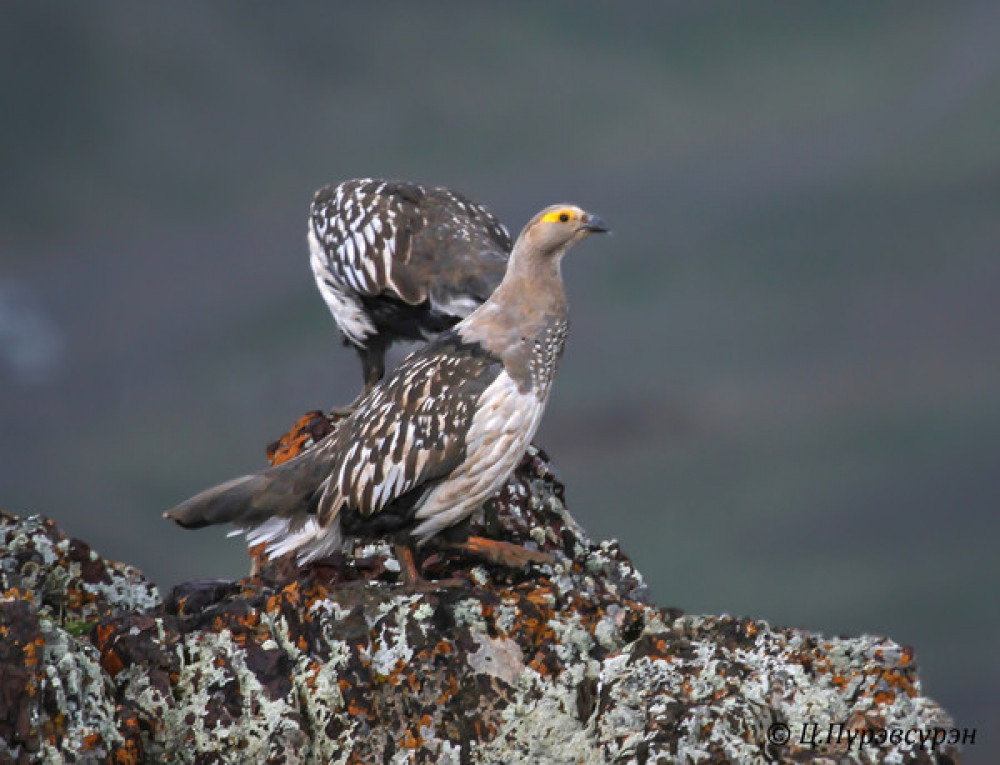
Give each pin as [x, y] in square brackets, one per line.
[260, 729]
[540, 725]
[505, 616]
[469, 613]
[75, 685]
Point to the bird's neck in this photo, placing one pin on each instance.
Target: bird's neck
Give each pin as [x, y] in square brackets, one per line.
[533, 281]
[527, 310]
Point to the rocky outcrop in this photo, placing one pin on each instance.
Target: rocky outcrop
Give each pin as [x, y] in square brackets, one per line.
[568, 662]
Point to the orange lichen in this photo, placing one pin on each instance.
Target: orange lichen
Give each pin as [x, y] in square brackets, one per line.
[54, 728]
[128, 755]
[315, 593]
[73, 599]
[900, 682]
[13, 594]
[484, 729]
[540, 597]
[411, 740]
[840, 681]
[103, 633]
[112, 663]
[32, 652]
[308, 429]
[538, 664]
[413, 680]
[355, 710]
[884, 697]
[395, 676]
[451, 688]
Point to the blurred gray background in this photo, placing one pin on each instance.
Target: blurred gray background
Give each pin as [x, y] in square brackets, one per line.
[782, 387]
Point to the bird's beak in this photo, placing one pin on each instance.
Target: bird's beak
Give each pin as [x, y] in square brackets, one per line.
[595, 225]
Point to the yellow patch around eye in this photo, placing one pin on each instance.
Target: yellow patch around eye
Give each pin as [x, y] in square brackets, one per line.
[559, 216]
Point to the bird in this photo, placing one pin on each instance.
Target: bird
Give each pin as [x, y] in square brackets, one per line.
[397, 261]
[427, 445]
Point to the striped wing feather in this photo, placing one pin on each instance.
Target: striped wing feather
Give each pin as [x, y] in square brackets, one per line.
[409, 432]
[402, 239]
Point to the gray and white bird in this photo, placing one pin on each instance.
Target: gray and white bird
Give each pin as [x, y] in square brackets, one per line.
[425, 447]
[400, 261]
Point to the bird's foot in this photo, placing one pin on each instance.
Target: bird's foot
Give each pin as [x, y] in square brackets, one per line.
[413, 581]
[503, 553]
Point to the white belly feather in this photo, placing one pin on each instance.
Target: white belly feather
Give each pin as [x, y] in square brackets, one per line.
[503, 426]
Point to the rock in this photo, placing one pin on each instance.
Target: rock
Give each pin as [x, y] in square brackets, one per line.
[569, 662]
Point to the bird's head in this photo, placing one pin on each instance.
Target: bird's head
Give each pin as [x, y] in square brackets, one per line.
[555, 229]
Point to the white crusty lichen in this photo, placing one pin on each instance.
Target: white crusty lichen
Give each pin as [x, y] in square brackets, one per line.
[214, 669]
[80, 700]
[50, 572]
[390, 652]
[541, 725]
[468, 612]
[506, 616]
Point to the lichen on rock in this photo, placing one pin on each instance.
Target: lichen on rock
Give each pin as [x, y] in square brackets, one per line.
[568, 662]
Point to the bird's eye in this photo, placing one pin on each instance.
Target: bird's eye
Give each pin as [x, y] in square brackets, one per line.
[561, 215]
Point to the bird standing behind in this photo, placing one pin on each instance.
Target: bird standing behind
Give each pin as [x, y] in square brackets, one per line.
[401, 261]
[428, 445]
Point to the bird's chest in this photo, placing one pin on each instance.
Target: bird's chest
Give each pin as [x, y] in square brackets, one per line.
[543, 356]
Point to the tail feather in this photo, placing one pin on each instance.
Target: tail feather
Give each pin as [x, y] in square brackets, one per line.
[276, 507]
[228, 502]
[285, 490]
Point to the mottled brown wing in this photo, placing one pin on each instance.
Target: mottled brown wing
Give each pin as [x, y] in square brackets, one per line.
[460, 252]
[366, 227]
[401, 239]
[410, 430]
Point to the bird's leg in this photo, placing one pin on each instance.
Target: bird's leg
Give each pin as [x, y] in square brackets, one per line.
[408, 568]
[372, 356]
[412, 579]
[341, 412]
[502, 553]
[373, 361]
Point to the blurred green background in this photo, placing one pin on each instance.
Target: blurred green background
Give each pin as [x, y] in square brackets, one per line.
[782, 387]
